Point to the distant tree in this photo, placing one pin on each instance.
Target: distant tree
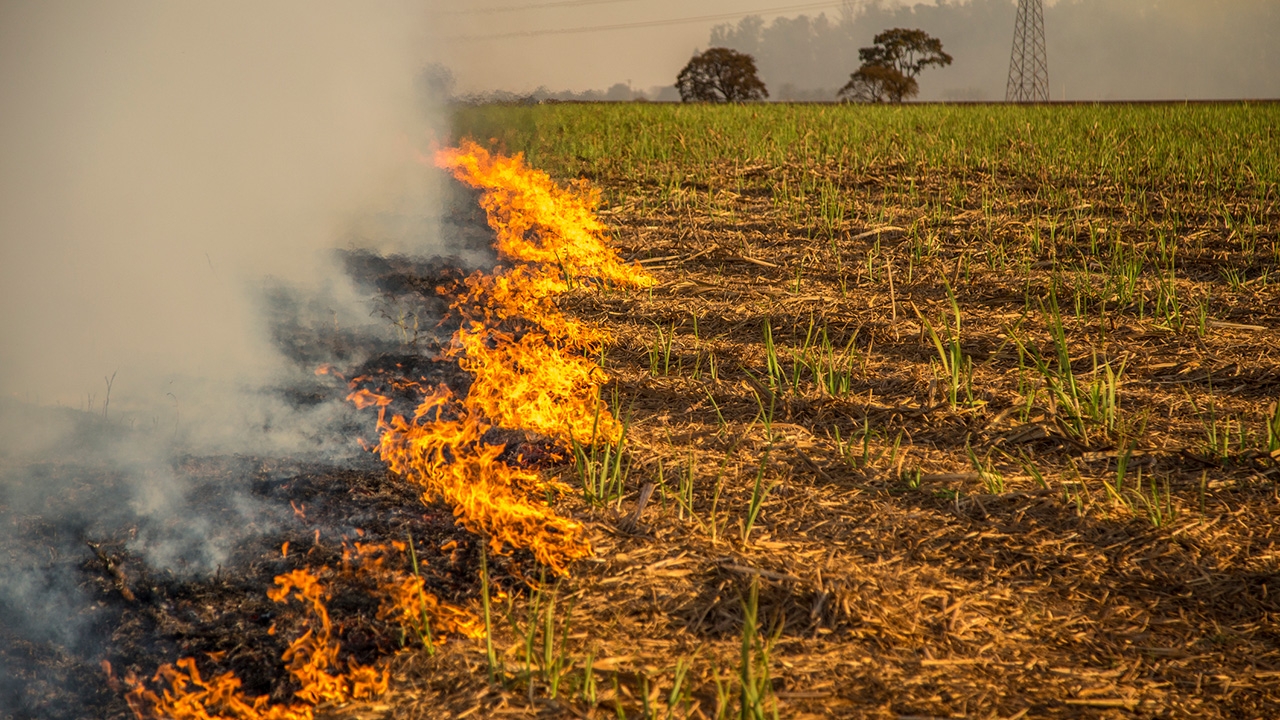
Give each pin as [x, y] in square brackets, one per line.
[907, 51]
[720, 75]
[890, 66]
[619, 92]
[878, 83]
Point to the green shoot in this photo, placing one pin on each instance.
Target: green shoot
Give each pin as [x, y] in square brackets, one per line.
[424, 630]
[495, 670]
[759, 492]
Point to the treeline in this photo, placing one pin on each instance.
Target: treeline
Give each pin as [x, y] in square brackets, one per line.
[618, 92]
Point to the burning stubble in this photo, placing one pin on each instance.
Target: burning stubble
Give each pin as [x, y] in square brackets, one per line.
[174, 180]
[549, 241]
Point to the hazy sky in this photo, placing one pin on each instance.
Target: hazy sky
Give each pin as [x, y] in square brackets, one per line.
[1098, 49]
[499, 43]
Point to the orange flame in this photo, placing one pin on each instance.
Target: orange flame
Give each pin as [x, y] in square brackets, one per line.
[190, 697]
[406, 599]
[553, 240]
[365, 398]
[540, 382]
[538, 222]
[449, 460]
[310, 658]
[529, 373]
[531, 384]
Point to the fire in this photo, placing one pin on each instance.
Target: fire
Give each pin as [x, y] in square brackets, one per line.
[537, 222]
[311, 656]
[552, 242]
[309, 659]
[406, 600]
[532, 384]
[528, 360]
[312, 659]
[531, 370]
[450, 460]
[191, 697]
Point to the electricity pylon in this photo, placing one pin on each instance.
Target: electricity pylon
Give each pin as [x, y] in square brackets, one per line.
[1029, 63]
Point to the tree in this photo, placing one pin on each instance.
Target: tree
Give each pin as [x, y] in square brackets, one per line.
[907, 51]
[619, 92]
[877, 83]
[720, 75]
[890, 66]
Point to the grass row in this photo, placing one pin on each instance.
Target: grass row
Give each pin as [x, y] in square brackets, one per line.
[1214, 148]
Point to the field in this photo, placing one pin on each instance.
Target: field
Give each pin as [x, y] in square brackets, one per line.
[935, 412]
[914, 412]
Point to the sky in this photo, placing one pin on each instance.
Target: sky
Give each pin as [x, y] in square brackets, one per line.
[487, 41]
[1098, 49]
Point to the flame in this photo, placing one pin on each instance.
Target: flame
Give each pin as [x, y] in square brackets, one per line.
[449, 459]
[552, 241]
[531, 371]
[190, 697]
[407, 602]
[538, 222]
[311, 658]
[366, 398]
[405, 598]
[528, 360]
[531, 384]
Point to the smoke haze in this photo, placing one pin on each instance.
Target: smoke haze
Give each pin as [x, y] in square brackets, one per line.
[174, 181]
[161, 160]
[1098, 49]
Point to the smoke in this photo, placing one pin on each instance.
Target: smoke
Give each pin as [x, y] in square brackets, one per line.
[162, 160]
[174, 181]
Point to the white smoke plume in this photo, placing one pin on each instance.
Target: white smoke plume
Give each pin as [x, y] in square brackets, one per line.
[173, 177]
[162, 160]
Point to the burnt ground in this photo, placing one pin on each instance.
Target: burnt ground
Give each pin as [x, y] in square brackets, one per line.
[118, 567]
[134, 589]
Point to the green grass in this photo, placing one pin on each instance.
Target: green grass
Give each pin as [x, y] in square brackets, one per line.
[680, 147]
[1106, 194]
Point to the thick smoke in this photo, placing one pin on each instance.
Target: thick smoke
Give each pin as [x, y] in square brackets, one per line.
[175, 179]
[161, 160]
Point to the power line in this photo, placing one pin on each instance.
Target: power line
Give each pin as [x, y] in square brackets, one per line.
[529, 6]
[647, 23]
